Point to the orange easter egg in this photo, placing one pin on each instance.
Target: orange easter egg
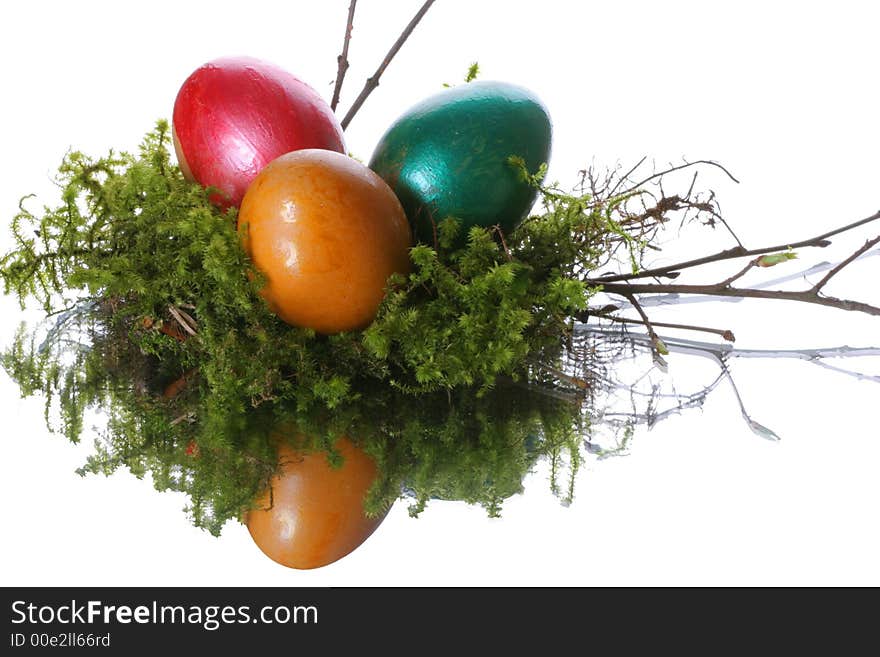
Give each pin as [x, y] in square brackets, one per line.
[327, 233]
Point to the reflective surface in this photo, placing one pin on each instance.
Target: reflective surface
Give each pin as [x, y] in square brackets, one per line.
[312, 513]
[699, 499]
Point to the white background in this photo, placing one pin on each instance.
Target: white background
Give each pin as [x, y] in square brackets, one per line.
[785, 94]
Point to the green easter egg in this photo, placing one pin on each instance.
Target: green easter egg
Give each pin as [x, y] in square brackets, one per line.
[449, 156]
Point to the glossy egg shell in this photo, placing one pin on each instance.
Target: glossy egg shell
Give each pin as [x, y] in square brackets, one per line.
[234, 115]
[327, 233]
[312, 513]
[448, 156]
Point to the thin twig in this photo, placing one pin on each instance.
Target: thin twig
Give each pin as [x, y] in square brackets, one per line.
[671, 169]
[179, 316]
[498, 231]
[675, 299]
[562, 376]
[373, 81]
[685, 345]
[655, 339]
[623, 178]
[742, 272]
[867, 246]
[806, 296]
[735, 252]
[343, 58]
[730, 230]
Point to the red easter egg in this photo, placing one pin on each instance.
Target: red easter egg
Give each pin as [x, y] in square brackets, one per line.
[234, 115]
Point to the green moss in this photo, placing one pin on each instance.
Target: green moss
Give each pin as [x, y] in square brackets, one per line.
[134, 237]
[155, 318]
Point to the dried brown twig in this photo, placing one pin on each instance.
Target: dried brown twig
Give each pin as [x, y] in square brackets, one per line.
[641, 212]
[867, 246]
[343, 57]
[187, 323]
[373, 81]
[820, 241]
[642, 225]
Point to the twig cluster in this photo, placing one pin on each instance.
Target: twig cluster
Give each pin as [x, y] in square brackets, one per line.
[372, 81]
[598, 352]
[655, 208]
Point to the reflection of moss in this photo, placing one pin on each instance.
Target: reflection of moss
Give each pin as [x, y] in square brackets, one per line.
[461, 446]
[471, 448]
[456, 446]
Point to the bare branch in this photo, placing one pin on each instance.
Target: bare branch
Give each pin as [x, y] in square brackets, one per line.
[742, 272]
[867, 246]
[373, 81]
[806, 296]
[660, 174]
[735, 252]
[684, 345]
[675, 299]
[343, 57]
[624, 177]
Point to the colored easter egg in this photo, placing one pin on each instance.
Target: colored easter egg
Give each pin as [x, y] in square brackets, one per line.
[234, 115]
[326, 232]
[449, 156]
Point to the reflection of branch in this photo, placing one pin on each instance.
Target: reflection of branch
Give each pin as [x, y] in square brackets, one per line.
[842, 370]
[651, 417]
[815, 356]
[755, 426]
[373, 80]
[719, 354]
[579, 383]
[727, 334]
[343, 58]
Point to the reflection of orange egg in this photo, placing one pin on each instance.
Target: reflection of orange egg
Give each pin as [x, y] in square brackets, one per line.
[327, 233]
[312, 514]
